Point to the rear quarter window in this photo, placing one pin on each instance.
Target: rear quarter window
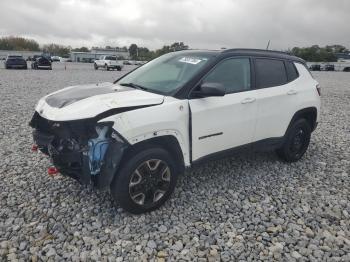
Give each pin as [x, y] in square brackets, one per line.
[270, 72]
[292, 71]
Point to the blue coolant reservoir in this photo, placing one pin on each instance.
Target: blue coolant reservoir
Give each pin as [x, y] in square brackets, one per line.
[97, 150]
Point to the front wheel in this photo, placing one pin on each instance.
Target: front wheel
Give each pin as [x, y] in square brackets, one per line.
[296, 142]
[145, 181]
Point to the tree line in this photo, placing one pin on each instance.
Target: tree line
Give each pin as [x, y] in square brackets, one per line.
[316, 53]
[313, 53]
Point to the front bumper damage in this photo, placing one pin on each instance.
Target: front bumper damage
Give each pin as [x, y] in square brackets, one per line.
[86, 150]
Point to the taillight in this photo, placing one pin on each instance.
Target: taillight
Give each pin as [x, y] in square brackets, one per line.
[318, 90]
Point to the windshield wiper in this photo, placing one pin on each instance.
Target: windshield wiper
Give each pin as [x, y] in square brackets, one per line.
[134, 86]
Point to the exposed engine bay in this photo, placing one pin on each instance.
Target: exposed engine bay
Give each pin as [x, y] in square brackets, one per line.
[84, 149]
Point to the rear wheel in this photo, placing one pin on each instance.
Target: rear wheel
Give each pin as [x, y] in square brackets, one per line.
[106, 67]
[95, 66]
[119, 68]
[145, 181]
[296, 141]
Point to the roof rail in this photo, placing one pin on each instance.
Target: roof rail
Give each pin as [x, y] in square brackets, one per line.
[254, 50]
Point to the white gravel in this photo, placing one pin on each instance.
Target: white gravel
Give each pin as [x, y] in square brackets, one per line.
[248, 207]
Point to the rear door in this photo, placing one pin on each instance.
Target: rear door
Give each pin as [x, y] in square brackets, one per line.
[221, 123]
[277, 96]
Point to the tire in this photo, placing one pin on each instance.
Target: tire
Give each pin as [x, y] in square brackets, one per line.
[137, 176]
[95, 66]
[296, 142]
[119, 68]
[106, 67]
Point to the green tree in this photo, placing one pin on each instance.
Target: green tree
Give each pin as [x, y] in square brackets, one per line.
[177, 46]
[337, 48]
[81, 49]
[18, 43]
[55, 49]
[133, 51]
[315, 53]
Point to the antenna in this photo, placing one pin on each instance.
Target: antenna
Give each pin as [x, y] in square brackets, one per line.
[268, 45]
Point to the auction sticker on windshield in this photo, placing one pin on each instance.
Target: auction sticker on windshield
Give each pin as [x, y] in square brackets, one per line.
[191, 60]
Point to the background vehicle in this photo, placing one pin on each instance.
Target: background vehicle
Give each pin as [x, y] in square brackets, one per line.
[329, 68]
[108, 62]
[55, 58]
[15, 61]
[41, 63]
[138, 134]
[65, 59]
[315, 67]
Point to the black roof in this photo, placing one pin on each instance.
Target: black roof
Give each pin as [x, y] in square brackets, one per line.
[263, 53]
[253, 52]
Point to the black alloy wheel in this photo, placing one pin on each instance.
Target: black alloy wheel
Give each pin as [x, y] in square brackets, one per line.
[149, 182]
[145, 180]
[296, 142]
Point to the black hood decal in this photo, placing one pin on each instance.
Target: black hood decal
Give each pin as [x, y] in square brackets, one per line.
[67, 97]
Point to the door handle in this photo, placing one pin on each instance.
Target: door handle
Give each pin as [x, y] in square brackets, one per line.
[292, 92]
[248, 100]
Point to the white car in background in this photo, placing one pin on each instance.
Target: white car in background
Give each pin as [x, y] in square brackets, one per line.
[108, 62]
[138, 134]
[55, 58]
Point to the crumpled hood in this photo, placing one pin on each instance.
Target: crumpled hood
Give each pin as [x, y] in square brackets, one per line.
[87, 101]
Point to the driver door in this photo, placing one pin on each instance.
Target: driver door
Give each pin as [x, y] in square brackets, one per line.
[224, 122]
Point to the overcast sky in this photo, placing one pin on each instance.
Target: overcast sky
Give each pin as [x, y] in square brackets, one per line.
[199, 23]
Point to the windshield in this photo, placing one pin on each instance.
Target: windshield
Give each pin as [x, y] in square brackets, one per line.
[167, 73]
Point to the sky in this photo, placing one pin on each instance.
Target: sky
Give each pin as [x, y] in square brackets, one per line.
[209, 24]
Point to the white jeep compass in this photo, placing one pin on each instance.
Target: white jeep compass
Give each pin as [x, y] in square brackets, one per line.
[138, 134]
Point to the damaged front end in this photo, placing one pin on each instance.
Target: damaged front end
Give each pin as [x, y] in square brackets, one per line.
[86, 150]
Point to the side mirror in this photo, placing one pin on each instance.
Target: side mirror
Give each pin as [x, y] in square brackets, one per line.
[208, 89]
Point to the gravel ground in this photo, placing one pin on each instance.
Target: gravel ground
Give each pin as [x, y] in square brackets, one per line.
[248, 207]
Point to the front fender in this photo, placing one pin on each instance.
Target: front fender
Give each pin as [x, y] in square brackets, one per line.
[168, 119]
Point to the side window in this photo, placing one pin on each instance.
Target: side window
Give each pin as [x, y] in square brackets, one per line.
[292, 71]
[233, 74]
[270, 72]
